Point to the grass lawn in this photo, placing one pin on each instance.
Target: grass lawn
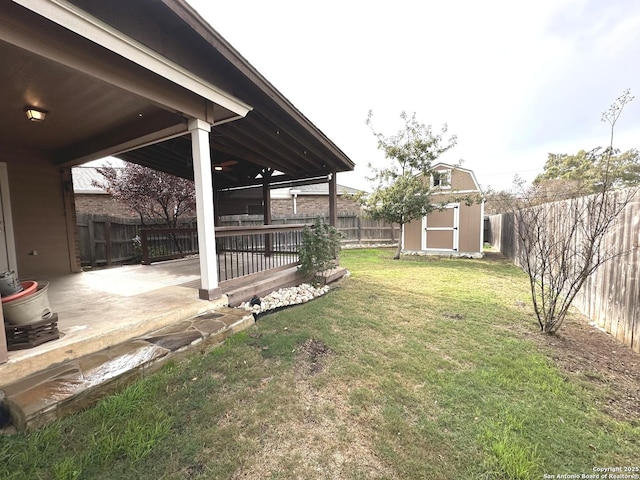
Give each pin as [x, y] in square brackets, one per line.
[420, 368]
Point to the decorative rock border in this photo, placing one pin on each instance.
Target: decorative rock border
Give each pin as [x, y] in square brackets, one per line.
[285, 297]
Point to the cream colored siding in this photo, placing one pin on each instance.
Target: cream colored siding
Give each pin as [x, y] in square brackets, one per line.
[462, 181]
[470, 220]
[413, 235]
[38, 215]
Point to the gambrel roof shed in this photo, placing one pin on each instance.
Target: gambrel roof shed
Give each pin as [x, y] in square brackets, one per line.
[457, 229]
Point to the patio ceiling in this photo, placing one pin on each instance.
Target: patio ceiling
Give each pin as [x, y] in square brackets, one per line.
[101, 103]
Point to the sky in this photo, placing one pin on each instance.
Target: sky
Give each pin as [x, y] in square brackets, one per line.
[513, 80]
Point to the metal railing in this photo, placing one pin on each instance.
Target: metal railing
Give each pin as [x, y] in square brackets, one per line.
[246, 250]
[241, 250]
[159, 244]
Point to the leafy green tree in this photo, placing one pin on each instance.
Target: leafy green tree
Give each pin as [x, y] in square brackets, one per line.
[586, 171]
[402, 193]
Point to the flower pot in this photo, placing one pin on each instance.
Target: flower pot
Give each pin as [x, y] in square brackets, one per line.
[9, 283]
[30, 308]
[27, 289]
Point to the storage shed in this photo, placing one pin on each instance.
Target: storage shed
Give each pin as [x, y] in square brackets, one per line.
[456, 229]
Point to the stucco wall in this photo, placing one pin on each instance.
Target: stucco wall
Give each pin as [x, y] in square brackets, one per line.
[39, 219]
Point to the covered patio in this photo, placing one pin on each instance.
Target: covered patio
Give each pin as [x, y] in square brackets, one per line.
[165, 91]
[101, 308]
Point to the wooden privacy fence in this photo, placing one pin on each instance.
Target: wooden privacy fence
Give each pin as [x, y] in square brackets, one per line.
[611, 296]
[105, 240]
[355, 228]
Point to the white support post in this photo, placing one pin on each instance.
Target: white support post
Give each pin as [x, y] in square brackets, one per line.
[200, 129]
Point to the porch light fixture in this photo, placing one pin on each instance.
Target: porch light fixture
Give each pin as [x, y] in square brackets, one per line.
[35, 114]
[218, 168]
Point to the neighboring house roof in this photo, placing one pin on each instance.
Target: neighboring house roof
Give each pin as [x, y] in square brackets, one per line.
[323, 189]
[83, 178]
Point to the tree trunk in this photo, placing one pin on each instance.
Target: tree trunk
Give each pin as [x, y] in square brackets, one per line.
[399, 249]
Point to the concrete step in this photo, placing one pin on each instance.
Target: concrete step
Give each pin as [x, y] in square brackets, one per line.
[145, 316]
[76, 384]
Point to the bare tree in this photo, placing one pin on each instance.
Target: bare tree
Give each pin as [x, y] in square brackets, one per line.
[561, 244]
[157, 197]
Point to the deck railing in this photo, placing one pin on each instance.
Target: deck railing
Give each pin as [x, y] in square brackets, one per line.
[159, 244]
[241, 250]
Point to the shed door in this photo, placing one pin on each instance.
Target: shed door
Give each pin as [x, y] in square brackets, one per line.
[440, 229]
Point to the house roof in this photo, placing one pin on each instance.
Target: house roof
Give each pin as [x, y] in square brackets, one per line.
[84, 178]
[113, 86]
[323, 189]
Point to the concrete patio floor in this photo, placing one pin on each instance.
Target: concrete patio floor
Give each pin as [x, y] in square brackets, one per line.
[107, 306]
[101, 308]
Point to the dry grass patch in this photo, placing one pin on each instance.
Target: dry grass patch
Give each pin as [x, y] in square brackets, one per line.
[323, 438]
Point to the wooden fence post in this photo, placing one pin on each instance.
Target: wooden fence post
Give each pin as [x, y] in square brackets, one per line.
[92, 240]
[107, 241]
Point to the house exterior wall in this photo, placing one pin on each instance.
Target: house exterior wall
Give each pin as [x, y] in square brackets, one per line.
[39, 216]
[312, 204]
[102, 204]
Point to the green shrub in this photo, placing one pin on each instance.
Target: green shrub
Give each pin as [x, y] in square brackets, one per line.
[320, 248]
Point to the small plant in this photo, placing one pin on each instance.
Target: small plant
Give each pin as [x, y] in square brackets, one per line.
[320, 248]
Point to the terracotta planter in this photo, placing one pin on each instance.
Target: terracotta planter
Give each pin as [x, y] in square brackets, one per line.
[30, 308]
[27, 289]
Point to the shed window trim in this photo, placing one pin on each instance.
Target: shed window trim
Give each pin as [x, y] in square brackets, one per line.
[441, 179]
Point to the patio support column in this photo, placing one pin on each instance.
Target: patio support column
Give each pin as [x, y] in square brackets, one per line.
[4, 356]
[203, 180]
[266, 202]
[333, 199]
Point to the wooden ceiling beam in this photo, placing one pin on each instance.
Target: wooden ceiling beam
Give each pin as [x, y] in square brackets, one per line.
[270, 134]
[264, 146]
